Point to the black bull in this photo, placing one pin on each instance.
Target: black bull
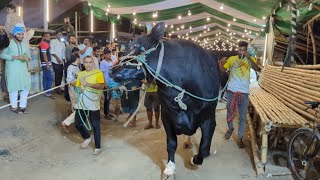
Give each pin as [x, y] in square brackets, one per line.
[192, 68]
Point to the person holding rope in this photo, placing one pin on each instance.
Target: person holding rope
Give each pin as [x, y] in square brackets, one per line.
[72, 74]
[17, 75]
[238, 88]
[105, 67]
[89, 84]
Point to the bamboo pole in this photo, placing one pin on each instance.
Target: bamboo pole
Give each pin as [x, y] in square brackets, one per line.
[307, 81]
[300, 72]
[264, 146]
[269, 107]
[298, 45]
[290, 99]
[313, 44]
[308, 66]
[301, 84]
[310, 81]
[292, 90]
[311, 20]
[256, 159]
[291, 104]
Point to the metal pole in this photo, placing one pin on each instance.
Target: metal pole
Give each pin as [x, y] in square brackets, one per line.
[265, 51]
[291, 46]
[293, 28]
[45, 14]
[76, 25]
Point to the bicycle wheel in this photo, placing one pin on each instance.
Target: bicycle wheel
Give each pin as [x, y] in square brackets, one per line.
[301, 162]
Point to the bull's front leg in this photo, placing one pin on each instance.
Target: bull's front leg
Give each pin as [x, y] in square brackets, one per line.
[170, 169]
[207, 130]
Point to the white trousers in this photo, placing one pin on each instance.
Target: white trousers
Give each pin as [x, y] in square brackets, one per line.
[13, 96]
[69, 120]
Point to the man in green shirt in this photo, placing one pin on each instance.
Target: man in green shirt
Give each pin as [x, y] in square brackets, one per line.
[18, 78]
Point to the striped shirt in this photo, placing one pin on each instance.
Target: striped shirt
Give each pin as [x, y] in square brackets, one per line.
[44, 47]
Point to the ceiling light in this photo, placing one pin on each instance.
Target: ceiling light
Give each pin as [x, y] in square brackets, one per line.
[221, 7]
[189, 13]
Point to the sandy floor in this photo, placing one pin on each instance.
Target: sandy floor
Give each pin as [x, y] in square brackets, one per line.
[41, 150]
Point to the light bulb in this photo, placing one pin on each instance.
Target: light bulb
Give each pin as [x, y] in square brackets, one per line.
[189, 13]
[221, 7]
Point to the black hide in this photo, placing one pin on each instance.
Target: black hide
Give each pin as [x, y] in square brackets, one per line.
[4, 41]
[192, 68]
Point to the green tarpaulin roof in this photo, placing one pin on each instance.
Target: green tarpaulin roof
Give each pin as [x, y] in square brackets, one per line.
[243, 17]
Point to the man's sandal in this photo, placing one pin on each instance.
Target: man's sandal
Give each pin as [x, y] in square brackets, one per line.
[24, 111]
[16, 110]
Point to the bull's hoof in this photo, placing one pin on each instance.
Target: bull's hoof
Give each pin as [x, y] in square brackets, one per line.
[187, 145]
[196, 160]
[170, 172]
[169, 177]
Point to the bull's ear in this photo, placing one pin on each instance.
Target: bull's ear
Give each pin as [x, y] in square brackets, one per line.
[158, 31]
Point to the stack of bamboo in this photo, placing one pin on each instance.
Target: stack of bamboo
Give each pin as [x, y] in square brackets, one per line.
[317, 66]
[270, 108]
[293, 87]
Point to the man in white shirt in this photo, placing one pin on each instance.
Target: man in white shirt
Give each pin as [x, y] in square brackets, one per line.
[114, 56]
[57, 58]
[95, 57]
[85, 50]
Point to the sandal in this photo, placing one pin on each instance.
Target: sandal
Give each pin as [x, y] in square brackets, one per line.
[24, 111]
[16, 110]
[229, 133]
[132, 124]
[158, 126]
[64, 127]
[50, 96]
[148, 126]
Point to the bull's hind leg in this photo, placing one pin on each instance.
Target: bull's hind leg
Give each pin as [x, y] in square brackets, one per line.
[207, 129]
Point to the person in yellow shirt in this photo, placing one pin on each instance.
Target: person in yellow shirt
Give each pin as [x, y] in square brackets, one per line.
[238, 88]
[151, 102]
[90, 82]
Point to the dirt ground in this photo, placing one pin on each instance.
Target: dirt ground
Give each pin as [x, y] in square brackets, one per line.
[39, 149]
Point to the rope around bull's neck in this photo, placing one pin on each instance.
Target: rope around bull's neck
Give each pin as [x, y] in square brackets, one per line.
[156, 75]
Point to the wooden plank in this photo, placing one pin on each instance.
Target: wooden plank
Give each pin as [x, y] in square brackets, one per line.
[259, 166]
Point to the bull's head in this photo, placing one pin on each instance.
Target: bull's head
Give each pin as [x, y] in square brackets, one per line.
[128, 71]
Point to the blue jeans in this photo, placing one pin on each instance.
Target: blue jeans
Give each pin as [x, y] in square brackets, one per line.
[107, 99]
[242, 109]
[47, 79]
[94, 118]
